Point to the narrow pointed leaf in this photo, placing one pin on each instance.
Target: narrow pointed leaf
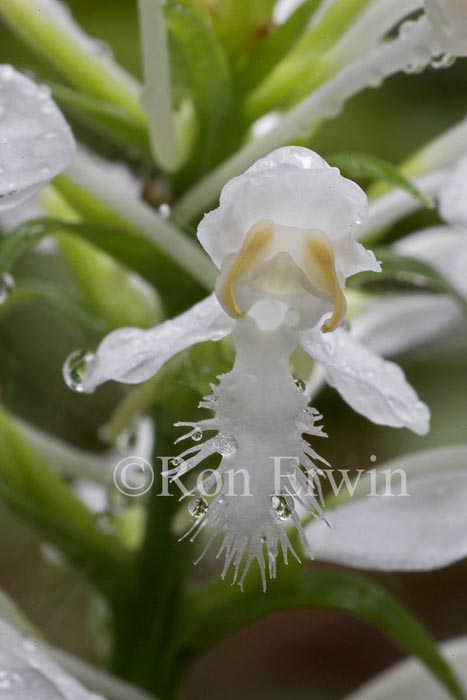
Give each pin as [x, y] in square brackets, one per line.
[367, 166]
[218, 612]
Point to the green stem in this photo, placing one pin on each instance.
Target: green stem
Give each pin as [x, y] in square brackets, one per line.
[95, 183]
[302, 120]
[146, 625]
[158, 93]
[48, 29]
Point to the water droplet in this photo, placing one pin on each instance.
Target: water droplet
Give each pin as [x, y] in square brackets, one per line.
[48, 107]
[175, 461]
[104, 523]
[414, 68]
[76, 368]
[165, 211]
[197, 436]
[282, 505]
[29, 644]
[127, 440]
[227, 445]
[300, 384]
[197, 507]
[7, 284]
[27, 683]
[373, 458]
[6, 72]
[101, 49]
[45, 171]
[376, 78]
[50, 135]
[43, 92]
[443, 62]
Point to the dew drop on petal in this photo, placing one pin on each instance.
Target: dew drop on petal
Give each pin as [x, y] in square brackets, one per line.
[197, 436]
[7, 285]
[414, 69]
[373, 458]
[127, 440]
[282, 505]
[197, 507]
[104, 523]
[300, 384]
[76, 368]
[29, 644]
[445, 61]
[227, 445]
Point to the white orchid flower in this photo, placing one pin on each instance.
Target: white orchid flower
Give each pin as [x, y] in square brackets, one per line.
[449, 21]
[27, 672]
[36, 143]
[284, 241]
[409, 679]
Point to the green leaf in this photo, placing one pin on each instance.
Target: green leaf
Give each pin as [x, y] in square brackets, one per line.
[39, 292]
[310, 61]
[127, 246]
[240, 23]
[399, 272]
[277, 45]
[105, 118]
[53, 35]
[201, 73]
[218, 611]
[364, 165]
[32, 490]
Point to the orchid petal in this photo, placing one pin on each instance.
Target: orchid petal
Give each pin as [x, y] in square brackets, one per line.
[372, 386]
[393, 325]
[453, 195]
[36, 142]
[449, 21]
[132, 355]
[409, 679]
[291, 186]
[27, 672]
[421, 531]
[444, 248]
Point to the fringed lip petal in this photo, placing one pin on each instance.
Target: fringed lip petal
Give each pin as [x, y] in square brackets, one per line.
[132, 355]
[421, 531]
[371, 385]
[36, 143]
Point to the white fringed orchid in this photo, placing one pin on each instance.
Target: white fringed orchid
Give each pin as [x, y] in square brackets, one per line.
[36, 143]
[449, 21]
[409, 679]
[284, 240]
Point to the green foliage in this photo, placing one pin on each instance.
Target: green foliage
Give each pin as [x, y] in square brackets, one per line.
[217, 610]
[367, 166]
[400, 272]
